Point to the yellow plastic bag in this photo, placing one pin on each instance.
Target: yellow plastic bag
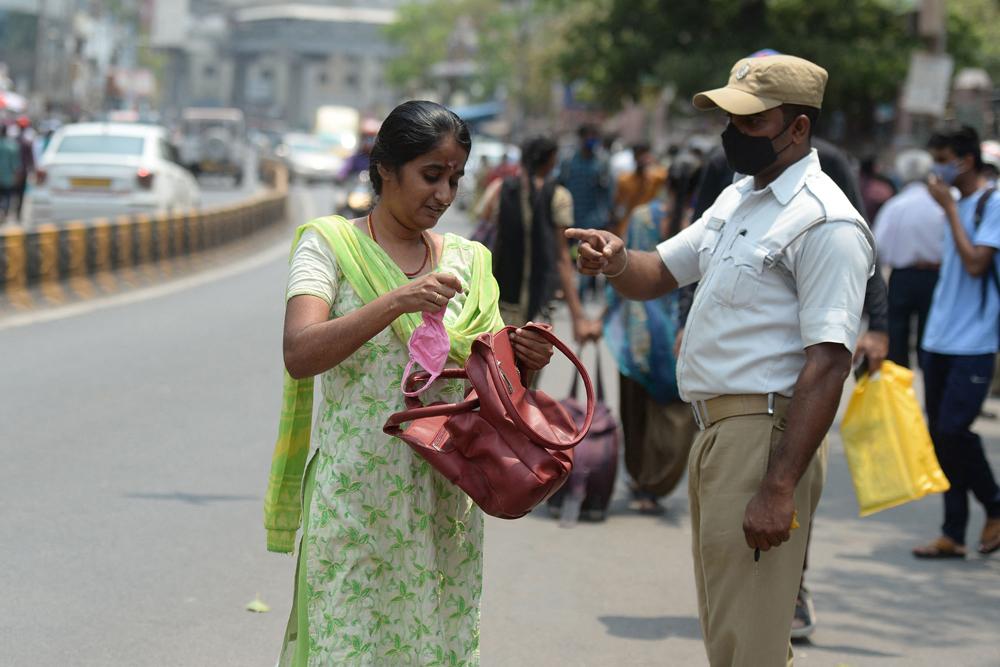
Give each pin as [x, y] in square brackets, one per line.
[889, 451]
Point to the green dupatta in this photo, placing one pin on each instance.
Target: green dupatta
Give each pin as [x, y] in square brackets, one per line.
[372, 273]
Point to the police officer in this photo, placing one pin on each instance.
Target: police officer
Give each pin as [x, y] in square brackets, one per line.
[782, 258]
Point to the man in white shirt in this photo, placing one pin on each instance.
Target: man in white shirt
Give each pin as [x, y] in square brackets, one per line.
[909, 231]
[782, 259]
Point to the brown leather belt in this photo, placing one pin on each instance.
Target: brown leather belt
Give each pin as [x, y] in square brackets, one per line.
[716, 409]
[924, 266]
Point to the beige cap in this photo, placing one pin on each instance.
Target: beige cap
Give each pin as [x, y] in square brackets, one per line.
[759, 84]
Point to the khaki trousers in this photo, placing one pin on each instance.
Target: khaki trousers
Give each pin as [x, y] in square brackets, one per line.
[745, 607]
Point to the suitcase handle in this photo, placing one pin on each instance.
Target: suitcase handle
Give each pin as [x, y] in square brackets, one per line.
[575, 386]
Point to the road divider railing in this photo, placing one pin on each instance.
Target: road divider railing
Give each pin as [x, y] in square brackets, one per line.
[83, 252]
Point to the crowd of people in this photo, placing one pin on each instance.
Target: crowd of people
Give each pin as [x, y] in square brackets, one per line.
[742, 286]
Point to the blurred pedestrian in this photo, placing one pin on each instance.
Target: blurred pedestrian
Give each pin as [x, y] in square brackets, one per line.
[876, 188]
[961, 341]
[507, 167]
[783, 258]
[482, 175]
[909, 232]
[359, 161]
[588, 178]
[658, 427]
[636, 187]
[10, 168]
[621, 160]
[530, 212]
[27, 167]
[390, 562]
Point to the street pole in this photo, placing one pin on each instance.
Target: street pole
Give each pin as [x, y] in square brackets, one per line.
[41, 41]
[933, 24]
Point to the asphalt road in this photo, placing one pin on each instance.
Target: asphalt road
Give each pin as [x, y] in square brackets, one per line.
[136, 440]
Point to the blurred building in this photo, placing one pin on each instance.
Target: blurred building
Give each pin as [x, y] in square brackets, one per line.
[66, 55]
[276, 60]
[40, 46]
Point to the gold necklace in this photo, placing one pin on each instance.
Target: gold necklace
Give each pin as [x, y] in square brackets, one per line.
[423, 237]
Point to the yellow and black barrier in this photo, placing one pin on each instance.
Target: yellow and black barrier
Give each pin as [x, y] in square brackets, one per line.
[54, 257]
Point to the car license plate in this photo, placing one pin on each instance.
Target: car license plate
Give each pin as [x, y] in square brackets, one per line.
[90, 183]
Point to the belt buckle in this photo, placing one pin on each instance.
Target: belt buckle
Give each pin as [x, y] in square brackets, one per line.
[770, 404]
[698, 407]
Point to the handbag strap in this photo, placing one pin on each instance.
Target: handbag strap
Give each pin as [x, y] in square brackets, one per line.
[516, 417]
[415, 409]
[600, 375]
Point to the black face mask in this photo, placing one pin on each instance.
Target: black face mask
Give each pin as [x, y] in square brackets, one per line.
[750, 155]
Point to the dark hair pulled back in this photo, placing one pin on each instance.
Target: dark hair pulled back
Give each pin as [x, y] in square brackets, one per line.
[682, 182]
[411, 130]
[536, 153]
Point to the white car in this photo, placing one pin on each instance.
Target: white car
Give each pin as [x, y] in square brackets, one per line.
[94, 170]
[310, 158]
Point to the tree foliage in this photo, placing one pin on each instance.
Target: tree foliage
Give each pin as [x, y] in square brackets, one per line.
[982, 18]
[514, 51]
[620, 47]
[430, 33]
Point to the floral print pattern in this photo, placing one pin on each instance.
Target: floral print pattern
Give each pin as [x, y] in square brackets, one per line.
[393, 552]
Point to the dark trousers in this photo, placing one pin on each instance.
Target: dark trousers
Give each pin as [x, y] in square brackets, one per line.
[6, 194]
[20, 190]
[956, 386]
[910, 293]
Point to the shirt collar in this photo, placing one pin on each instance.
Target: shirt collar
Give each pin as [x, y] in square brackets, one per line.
[788, 184]
[794, 177]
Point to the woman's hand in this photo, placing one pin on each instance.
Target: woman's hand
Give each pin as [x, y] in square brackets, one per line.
[585, 330]
[533, 351]
[428, 294]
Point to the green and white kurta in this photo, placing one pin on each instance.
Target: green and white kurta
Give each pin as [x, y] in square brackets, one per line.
[390, 562]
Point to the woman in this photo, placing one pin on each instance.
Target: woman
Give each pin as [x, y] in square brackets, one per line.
[390, 562]
[529, 212]
[658, 427]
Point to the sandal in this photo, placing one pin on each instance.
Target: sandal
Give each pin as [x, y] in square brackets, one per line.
[990, 539]
[650, 506]
[942, 547]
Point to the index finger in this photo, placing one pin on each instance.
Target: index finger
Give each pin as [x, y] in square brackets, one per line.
[587, 235]
[449, 280]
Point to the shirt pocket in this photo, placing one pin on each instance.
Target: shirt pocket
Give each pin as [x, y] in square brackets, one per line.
[709, 242]
[740, 271]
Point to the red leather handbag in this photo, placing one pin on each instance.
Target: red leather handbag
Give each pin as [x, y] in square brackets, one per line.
[508, 447]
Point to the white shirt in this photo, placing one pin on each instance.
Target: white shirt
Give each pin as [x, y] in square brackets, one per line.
[909, 228]
[780, 269]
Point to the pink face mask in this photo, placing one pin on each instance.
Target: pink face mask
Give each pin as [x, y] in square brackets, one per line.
[429, 346]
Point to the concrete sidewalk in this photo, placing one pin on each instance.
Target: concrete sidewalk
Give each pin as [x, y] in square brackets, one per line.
[622, 592]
